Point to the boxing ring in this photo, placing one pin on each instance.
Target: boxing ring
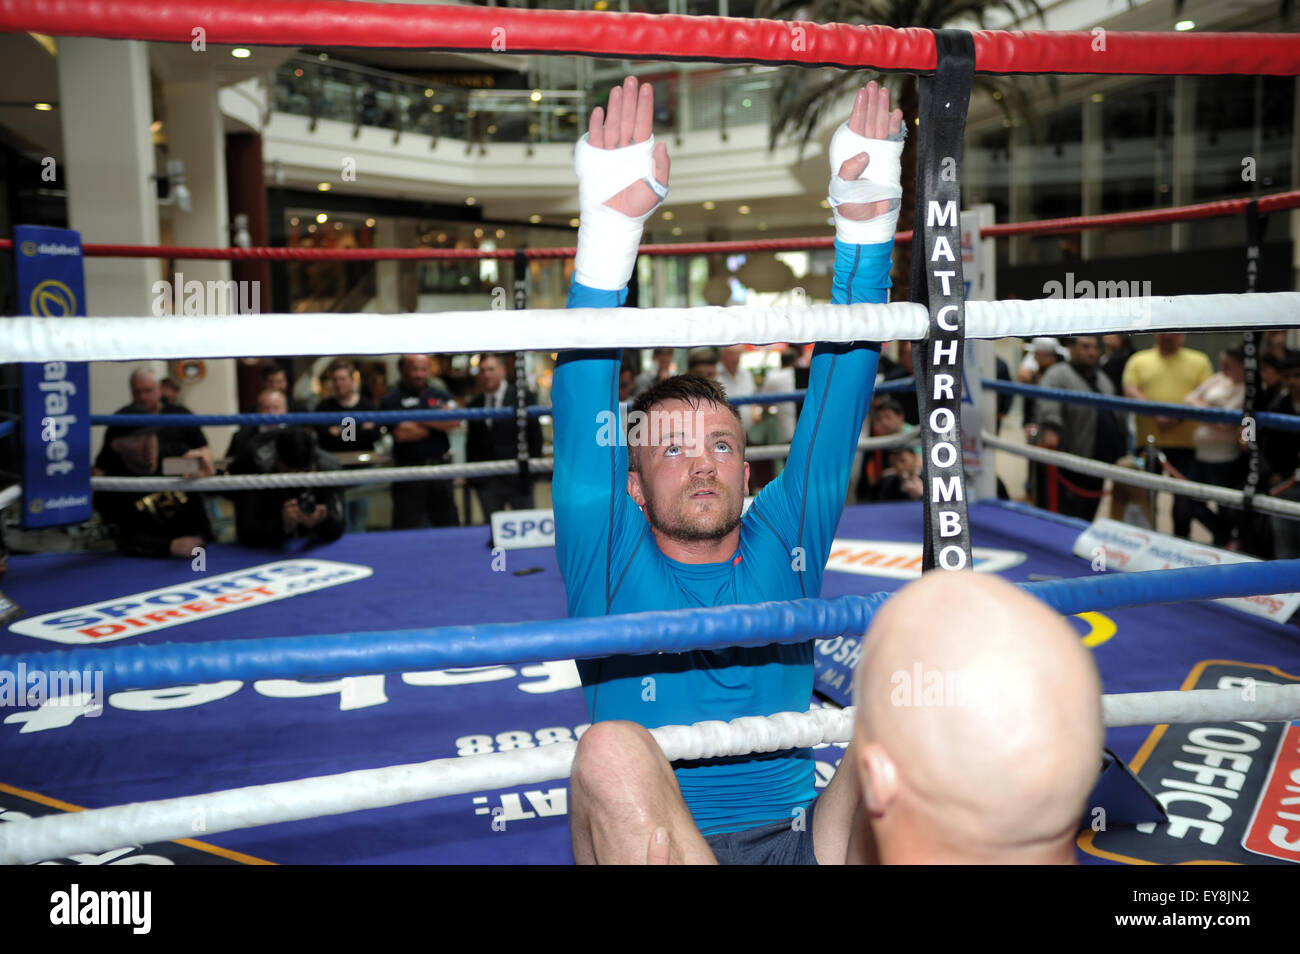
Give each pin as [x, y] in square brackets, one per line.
[230, 733]
[228, 687]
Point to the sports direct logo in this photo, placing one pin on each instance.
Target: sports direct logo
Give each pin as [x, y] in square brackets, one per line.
[153, 610]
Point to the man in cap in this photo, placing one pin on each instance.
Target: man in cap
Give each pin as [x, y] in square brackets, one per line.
[157, 523]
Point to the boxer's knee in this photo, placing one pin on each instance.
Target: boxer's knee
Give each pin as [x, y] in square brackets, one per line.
[615, 758]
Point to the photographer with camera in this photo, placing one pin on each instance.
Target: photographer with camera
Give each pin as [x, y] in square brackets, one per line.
[270, 518]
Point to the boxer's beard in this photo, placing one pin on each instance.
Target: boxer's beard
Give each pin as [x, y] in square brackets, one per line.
[672, 519]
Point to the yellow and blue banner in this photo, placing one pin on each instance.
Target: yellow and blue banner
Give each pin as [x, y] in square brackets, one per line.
[56, 394]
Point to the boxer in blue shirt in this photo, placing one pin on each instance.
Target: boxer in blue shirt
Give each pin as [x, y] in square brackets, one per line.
[654, 522]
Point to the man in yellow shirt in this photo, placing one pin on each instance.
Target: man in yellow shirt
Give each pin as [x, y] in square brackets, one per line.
[1168, 373]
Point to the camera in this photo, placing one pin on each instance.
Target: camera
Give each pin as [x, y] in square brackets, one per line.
[307, 502]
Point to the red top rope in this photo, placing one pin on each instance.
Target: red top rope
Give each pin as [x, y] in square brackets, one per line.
[1277, 202]
[327, 23]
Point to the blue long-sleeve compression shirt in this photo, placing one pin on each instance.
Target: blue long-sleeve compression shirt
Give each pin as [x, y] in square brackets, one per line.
[612, 564]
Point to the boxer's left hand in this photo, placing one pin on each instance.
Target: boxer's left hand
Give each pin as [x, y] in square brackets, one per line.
[866, 172]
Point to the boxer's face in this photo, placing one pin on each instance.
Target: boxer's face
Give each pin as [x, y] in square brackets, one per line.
[691, 476]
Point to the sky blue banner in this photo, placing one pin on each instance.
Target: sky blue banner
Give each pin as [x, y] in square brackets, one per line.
[56, 394]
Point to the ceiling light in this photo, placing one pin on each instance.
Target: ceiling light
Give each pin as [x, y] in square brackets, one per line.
[241, 53]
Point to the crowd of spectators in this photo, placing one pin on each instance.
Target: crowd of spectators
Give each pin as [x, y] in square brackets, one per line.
[1216, 453]
[174, 522]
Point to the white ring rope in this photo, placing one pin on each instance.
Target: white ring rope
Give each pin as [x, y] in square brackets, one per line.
[393, 475]
[59, 836]
[1140, 478]
[103, 829]
[1250, 703]
[10, 494]
[238, 336]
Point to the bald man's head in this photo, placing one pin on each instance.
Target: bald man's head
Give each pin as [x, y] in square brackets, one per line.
[979, 735]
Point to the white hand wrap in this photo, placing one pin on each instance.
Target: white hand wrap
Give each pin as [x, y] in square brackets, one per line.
[882, 179]
[608, 240]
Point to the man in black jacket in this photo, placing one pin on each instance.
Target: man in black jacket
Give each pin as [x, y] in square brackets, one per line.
[181, 441]
[155, 523]
[497, 439]
[269, 518]
[421, 503]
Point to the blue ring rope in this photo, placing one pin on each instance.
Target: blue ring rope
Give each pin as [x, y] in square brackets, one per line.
[323, 418]
[674, 631]
[1282, 422]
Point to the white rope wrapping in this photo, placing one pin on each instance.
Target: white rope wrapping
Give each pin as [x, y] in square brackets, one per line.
[10, 494]
[1247, 704]
[235, 336]
[103, 829]
[319, 478]
[393, 475]
[1140, 478]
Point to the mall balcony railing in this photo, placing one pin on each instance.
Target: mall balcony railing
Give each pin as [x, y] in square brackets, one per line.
[697, 100]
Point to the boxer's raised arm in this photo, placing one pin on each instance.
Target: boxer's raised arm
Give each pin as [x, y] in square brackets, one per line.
[622, 177]
[808, 497]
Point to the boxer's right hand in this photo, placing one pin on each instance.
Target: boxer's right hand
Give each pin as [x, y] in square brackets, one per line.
[622, 178]
[629, 119]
